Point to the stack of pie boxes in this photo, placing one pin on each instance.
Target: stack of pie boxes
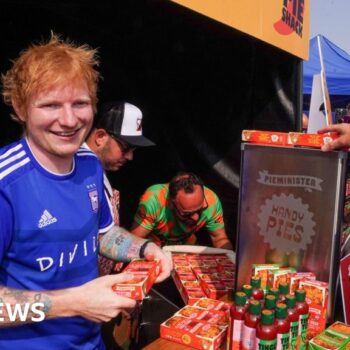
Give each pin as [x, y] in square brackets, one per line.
[316, 291]
[201, 326]
[288, 139]
[203, 275]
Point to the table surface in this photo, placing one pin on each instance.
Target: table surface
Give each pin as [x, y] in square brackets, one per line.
[162, 344]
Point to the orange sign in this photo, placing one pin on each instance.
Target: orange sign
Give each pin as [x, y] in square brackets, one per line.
[282, 23]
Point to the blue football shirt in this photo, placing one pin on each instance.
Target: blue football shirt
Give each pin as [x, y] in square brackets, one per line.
[49, 231]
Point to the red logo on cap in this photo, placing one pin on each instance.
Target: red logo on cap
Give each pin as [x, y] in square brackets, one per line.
[139, 124]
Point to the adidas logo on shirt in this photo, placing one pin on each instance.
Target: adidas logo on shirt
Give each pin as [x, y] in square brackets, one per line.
[46, 219]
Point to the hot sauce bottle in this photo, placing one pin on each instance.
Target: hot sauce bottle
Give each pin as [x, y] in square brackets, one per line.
[251, 319]
[270, 302]
[266, 332]
[283, 289]
[275, 292]
[303, 310]
[293, 317]
[247, 289]
[257, 292]
[283, 327]
[237, 312]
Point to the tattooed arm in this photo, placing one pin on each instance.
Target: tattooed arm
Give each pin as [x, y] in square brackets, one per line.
[18, 307]
[118, 244]
[94, 300]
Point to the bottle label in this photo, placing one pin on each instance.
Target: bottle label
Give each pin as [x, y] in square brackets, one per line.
[248, 338]
[303, 319]
[282, 341]
[237, 334]
[294, 326]
[265, 344]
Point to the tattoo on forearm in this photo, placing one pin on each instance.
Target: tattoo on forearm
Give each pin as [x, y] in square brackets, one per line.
[45, 300]
[118, 244]
[20, 306]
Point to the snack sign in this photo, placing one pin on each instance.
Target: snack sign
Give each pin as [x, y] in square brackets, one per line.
[290, 210]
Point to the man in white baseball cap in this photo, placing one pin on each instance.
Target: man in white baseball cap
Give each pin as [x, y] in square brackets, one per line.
[117, 131]
[116, 134]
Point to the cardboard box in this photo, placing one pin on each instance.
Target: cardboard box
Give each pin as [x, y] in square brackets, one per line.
[190, 291]
[290, 139]
[206, 270]
[265, 137]
[296, 277]
[214, 305]
[214, 290]
[191, 332]
[316, 292]
[340, 327]
[335, 337]
[183, 269]
[229, 267]
[317, 299]
[211, 274]
[262, 271]
[187, 277]
[218, 318]
[181, 263]
[311, 140]
[144, 275]
[328, 340]
[227, 276]
[282, 275]
[193, 295]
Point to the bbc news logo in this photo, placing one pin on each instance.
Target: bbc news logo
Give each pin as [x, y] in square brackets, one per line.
[22, 312]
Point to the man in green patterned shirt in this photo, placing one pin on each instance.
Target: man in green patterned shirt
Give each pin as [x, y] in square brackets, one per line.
[172, 213]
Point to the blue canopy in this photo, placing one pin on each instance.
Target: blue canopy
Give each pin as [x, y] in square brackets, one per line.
[337, 67]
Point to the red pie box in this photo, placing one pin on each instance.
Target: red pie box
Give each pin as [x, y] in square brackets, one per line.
[206, 270]
[265, 137]
[209, 277]
[215, 305]
[190, 291]
[191, 332]
[311, 140]
[282, 275]
[296, 277]
[191, 296]
[214, 290]
[218, 318]
[144, 275]
[226, 267]
[183, 269]
[317, 298]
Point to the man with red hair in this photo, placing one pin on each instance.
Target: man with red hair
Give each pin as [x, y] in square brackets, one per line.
[54, 214]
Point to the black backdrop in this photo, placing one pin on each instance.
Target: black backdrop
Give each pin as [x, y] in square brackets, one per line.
[198, 82]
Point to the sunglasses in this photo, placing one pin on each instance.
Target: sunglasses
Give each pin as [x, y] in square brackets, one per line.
[124, 147]
[189, 214]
